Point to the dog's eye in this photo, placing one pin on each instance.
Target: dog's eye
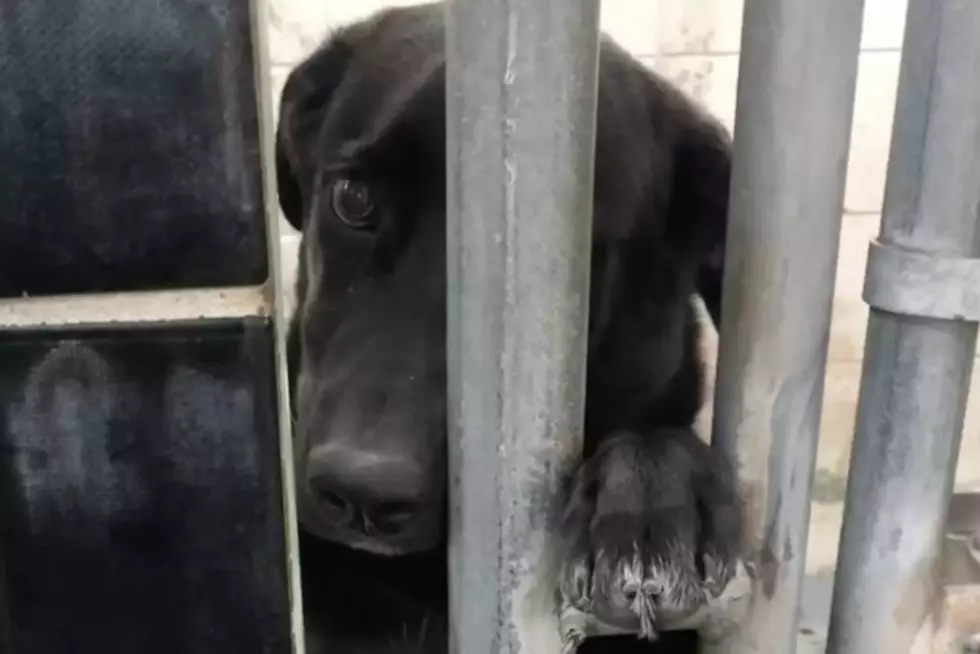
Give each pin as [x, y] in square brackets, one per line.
[353, 204]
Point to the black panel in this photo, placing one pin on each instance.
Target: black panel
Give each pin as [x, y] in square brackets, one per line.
[141, 510]
[129, 151]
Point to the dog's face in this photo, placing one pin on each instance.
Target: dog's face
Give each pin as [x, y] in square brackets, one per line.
[360, 152]
[360, 157]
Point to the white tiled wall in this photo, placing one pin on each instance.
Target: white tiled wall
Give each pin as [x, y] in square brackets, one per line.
[696, 43]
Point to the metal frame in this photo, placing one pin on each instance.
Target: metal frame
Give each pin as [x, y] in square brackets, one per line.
[135, 307]
[520, 125]
[795, 100]
[161, 307]
[521, 101]
[279, 306]
[922, 285]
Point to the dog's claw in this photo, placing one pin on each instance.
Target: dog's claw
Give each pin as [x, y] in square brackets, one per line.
[718, 615]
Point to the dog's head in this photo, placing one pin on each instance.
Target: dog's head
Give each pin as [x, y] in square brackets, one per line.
[360, 155]
[360, 163]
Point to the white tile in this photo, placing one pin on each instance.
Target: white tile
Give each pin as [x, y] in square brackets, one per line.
[884, 24]
[277, 78]
[874, 109]
[968, 471]
[289, 259]
[632, 24]
[700, 26]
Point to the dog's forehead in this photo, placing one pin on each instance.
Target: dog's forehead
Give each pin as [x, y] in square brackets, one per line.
[396, 59]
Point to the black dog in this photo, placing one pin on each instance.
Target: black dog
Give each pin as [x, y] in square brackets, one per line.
[361, 171]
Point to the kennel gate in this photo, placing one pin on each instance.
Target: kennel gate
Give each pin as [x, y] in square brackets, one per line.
[216, 331]
[521, 105]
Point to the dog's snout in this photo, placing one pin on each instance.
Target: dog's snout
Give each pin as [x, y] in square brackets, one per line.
[365, 490]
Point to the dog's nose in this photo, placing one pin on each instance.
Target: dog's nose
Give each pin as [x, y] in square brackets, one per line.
[365, 490]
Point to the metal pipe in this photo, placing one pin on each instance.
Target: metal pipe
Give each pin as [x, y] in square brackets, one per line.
[278, 298]
[919, 350]
[795, 101]
[521, 101]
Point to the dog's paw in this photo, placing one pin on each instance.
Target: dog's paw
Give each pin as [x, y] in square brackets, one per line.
[653, 524]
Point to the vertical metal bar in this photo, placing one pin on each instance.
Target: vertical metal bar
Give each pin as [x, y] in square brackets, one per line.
[917, 368]
[278, 303]
[792, 134]
[521, 94]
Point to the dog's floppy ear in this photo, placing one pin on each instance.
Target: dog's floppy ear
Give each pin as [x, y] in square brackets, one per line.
[698, 221]
[305, 98]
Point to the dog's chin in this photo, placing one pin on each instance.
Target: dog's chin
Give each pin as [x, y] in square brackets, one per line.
[378, 548]
[416, 544]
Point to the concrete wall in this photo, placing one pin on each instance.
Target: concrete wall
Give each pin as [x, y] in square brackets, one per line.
[696, 43]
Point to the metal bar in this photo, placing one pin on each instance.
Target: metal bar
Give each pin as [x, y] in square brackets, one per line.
[792, 134]
[905, 281]
[280, 299]
[521, 89]
[916, 371]
[135, 307]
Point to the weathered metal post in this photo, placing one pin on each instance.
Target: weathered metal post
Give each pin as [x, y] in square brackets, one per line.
[792, 133]
[923, 286]
[521, 80]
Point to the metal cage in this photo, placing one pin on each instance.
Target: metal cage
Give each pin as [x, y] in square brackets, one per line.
[521, 113]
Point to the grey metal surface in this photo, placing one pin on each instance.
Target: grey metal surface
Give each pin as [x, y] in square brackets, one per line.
[521, 83]
[916, 369]
[938, 286]
[792, 132]
[279, 289]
